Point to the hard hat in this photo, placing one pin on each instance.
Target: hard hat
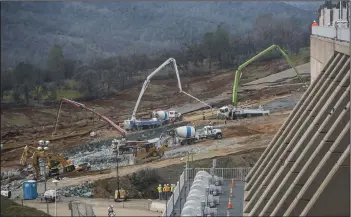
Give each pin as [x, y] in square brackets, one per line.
[159, 185]
[111, 206]
[314, 21]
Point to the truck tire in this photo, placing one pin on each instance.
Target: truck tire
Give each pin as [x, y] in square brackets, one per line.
[183, 142]
[219, 136]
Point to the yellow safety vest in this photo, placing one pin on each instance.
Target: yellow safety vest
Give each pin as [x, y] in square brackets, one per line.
[159, 188]
[164, 189]
[172, 188]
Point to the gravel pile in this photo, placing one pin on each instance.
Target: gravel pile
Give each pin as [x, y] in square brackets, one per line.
[82, 190]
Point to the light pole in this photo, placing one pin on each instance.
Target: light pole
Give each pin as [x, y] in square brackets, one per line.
[55, 182]
[43, 146]
[115, 143]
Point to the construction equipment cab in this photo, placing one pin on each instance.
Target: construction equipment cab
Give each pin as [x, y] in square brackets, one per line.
[122, 195]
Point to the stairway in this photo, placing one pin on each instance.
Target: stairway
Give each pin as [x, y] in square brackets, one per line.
[305, 170]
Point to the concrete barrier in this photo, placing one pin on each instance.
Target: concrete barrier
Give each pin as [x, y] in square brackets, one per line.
[158, 206]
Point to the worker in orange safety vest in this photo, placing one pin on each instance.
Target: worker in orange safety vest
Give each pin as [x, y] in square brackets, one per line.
[314, 23]
[166, 189]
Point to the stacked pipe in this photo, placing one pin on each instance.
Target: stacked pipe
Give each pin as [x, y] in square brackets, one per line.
[203, 196]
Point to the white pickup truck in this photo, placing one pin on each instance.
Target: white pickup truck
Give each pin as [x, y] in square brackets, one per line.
[50, 196]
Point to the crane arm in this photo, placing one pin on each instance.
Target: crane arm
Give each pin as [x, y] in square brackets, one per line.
[147, 81]
[241, 67]
[82, 106]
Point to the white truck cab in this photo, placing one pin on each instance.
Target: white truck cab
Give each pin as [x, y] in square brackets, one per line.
[210, 131]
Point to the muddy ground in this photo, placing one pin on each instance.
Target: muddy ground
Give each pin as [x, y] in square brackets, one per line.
[243, 141]
[26, 126]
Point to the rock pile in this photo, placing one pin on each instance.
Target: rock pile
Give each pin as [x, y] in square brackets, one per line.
[82, 190]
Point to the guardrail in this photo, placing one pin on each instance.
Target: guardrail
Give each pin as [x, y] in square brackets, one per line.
[175, 196]
[237, 174]
[342, 34]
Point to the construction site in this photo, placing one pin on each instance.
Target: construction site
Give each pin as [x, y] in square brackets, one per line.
[267, 138]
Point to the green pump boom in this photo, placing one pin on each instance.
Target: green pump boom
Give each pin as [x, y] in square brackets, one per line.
[241, 67]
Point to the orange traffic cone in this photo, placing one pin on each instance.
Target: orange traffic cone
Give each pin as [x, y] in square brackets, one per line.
[230, 206]
[233, 184]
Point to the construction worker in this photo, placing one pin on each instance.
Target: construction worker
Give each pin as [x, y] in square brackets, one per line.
[164, 193]
[314, 23]
[167, 191]
[159, 189]
[172, 188]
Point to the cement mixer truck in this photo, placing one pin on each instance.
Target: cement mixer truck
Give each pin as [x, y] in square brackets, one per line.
[167, 116]
[188, 135]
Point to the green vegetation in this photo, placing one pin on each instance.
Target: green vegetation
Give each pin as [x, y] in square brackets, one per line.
[90, 30]
[10, 208]
[218, 50]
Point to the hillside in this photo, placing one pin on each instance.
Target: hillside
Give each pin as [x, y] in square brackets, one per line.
[89, 30]
[10, 208]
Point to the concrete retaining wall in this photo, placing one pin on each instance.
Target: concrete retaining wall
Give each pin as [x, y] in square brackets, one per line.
[321, 50]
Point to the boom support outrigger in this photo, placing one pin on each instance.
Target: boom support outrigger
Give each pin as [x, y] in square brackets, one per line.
[241, 67]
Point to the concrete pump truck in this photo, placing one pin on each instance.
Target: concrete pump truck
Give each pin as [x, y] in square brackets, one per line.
[233, 111]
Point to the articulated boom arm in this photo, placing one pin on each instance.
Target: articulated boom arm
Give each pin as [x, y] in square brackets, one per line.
[241, 67]
[147, 81]
[82, 106]
[27, 149]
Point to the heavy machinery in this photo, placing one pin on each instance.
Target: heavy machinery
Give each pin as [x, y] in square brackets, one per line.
[140, 151]
[188, 134]
[233, 112]
[133, 123]
[167, 116]
[54, 162]
[122, 195]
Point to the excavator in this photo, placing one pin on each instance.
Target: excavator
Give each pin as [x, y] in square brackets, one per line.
[233, 112]
[53, 162]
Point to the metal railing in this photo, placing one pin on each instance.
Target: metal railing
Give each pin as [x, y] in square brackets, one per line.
[188, 174]
[79, 209]
[175, 196]
[237, 174]
[342, 34]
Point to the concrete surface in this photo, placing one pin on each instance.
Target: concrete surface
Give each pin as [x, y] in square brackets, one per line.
[279, 77]
[270, 80]
[321, 50]
[306, 164]
[132, 208]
